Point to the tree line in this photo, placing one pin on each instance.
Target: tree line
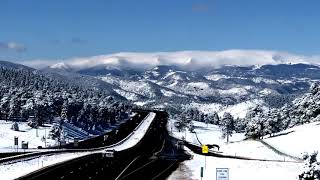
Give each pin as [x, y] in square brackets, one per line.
[27, 94]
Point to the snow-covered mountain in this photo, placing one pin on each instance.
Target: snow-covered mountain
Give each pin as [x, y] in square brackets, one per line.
[6, 64]
[176, 86]
[176, 79]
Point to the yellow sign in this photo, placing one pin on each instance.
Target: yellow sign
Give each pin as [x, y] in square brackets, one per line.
[205, 149]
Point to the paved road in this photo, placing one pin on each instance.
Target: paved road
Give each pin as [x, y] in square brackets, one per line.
[125, 163]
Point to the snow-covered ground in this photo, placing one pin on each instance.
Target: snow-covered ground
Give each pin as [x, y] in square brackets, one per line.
[238, 169]
[297, 140]
[13, 171]
[211, 134]
[25, 133]
[293, 141]
[34, 137]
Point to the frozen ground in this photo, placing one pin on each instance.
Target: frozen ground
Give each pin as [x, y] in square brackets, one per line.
[292, 141]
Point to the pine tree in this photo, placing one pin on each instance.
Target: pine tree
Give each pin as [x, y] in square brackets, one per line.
[227, 125]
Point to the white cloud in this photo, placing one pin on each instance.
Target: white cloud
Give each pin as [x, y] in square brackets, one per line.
[12, 46]
[38, 63]
[184, 59]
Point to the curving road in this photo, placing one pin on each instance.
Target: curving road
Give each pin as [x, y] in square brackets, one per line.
[45, 160]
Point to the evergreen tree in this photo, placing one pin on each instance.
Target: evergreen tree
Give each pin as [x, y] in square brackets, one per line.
[227, 125]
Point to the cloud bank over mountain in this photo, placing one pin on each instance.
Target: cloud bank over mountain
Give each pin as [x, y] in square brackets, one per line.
[190, 60]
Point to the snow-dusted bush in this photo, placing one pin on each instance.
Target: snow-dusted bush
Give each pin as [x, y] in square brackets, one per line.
[15, 126]
[311, 169]
[32, 124]
[55, 132]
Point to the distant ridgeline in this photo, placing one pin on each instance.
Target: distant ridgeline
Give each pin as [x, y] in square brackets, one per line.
[26, 92]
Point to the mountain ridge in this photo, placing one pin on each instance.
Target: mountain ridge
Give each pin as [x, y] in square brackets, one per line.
[172, 86]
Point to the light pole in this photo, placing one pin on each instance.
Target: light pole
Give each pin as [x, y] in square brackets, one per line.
[45, 137]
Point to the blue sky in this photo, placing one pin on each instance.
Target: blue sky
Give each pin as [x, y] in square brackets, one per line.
[47, 29]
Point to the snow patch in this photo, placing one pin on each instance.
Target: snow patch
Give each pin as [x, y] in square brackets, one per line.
[264, 80]
[234, 91]
[240, 110]
[216, 77]
[167, 93]
[200, 85]
[128, 95]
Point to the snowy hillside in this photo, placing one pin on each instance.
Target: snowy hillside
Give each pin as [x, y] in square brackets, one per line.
[283, 145]
[238, 110]
[298, 139]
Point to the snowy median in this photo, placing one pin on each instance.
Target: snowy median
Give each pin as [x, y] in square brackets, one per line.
[137, 134]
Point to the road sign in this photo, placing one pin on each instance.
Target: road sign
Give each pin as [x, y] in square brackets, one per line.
[109, 153]
[16, 141]
[205, 149]
[222, 174]
[24, 145]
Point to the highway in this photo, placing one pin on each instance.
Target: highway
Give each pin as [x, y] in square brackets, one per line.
[148, 152]
[14, 167]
